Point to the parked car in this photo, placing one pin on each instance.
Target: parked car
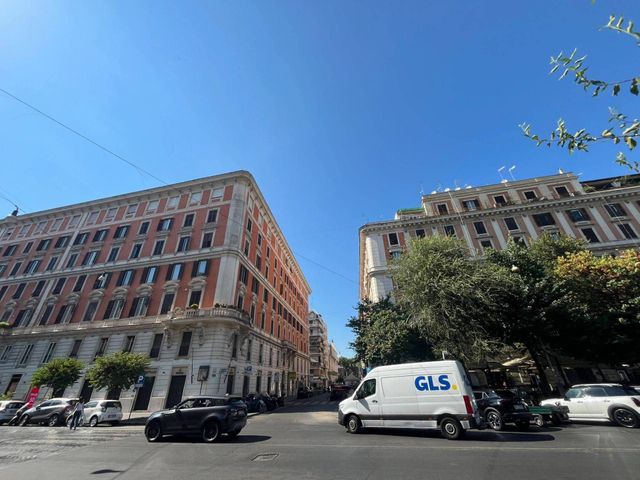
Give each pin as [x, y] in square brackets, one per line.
[636, 388]
[8, 409]
[601, 402]
[52, 412]
[269, 401]
[18, 415]
[339, 391]
[255, 403]
[304, 392]
[499, 407]
[102, 411]
[207, 416]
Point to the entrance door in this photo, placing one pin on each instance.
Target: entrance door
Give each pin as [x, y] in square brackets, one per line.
[175, 390]
[144, 394]
[230, 381]
[86, 391]
[245, 386]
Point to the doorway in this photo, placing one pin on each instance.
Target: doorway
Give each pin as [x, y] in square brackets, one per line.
[86, 391]
[144, 394]
[175, 390]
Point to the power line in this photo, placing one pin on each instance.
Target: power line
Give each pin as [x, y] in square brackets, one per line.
[4, 197]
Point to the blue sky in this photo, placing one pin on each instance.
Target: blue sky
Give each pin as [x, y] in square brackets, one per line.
[343, 110]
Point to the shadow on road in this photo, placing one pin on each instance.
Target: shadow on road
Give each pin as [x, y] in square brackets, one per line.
[475, 435]
[223, 439]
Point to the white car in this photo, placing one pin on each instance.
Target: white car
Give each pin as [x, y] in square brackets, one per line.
[8, 409]
[102, 411]
[601, 402]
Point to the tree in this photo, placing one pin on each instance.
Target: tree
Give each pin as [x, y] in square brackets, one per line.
[58, 374]
[349, 366]
[622, 129]
[117, 371]
[453, 300]
[603, 296]
[385, 335]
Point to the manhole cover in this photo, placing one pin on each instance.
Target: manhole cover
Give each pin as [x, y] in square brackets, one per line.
[264, 457]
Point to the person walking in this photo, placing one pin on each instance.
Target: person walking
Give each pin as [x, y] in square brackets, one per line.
[76, 415]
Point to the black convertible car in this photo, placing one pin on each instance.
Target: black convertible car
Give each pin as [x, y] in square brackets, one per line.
[208, 417]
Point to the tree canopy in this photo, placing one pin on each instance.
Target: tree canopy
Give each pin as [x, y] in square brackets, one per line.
[117, 371]
[58, 374]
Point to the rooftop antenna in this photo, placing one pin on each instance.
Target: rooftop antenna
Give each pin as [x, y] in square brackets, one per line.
[421, 190]
[513, 167]
[502, 179]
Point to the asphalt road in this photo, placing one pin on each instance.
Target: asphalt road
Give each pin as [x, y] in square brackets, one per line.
[305, 442]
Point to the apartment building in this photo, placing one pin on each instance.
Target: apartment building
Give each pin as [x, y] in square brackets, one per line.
[604, 212]
[318, 350]
[196, 275]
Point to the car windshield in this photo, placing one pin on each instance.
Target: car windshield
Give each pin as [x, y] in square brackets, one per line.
[620, 391]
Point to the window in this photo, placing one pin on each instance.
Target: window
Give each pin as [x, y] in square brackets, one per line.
[139, 307]
[144, 228]
[135, 251]
[249, 348]
[10, 250]
[121, 232]
[627, 231]
[174, 272]
[52, 264]
[15, 269]
[56, 224]
[185, 344]
[590, 235]
[59, 286]
[165, 224]
[396, 255]
[578, 215]
[100, 235]
[183, 244]
[194, 298]
[72, 260]
[111, 214]
[23, 317]
[234, 346]
[131, 210]
[562, 192]
[420, 233]
[259, 240]
[367, 389]
[128, 344]
[79, 283]
[5, 354]
[172, 204]
[81, 238]
[126, 278]
[543, 219]
[157, 344]
[45, 315]
[530, 195]
[40, 227]
[3, 268]
[255, 285]
[217, 193]
[113, 254]
[32, 266]
[480, 228]
[393, 239]
[150, 274]
[64, 314]
[102, 281]
[102, 347]
[188, 220]
[249, 225]
[258, 262]
[49, 353]
[152, 206]
[38, 290]
[27, 247]
[43, 245]
[449, 231]
[486, 244]
[500, 200]
[167, 303]
[90, 311]
[240, 303]
[75, 348]
[90, 258]
[471, 205]
[114, 309]
[207, 240]
[195, 198]
[18, 293]
[62, 242]
[263, 317]
[260, 355]
[158, 247]
[200, 268]
[244, 274]
[246, 247]
[212, 216]
[615, 210]
[26, 355]
[443, 209]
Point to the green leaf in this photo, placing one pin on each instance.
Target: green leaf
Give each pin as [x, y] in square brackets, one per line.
[631, 142]
[634, 88]
[616, 89]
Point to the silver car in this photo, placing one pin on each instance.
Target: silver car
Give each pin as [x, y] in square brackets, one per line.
[8, 409]
[102, 411]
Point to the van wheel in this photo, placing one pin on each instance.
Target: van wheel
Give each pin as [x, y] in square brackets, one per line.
[353, 424]
[494, 419]
[451, 428]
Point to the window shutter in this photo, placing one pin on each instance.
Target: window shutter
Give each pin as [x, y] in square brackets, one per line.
[107, 312]
[134, 306]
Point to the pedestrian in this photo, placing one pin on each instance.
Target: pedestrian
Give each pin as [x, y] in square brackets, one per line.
[76, 414]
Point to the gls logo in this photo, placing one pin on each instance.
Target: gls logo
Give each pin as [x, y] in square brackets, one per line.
[424, 383]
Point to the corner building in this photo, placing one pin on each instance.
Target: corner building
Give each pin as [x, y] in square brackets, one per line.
[196, 275]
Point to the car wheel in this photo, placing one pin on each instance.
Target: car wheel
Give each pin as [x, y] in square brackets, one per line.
[234, 433]
[53, 420]
[451, 428]
[523, 425]
[625, 418]
[93, 421]
[539, 421]
[210, 432]
[24, 421]
[494, 419]
[153, 432]
[353, 424]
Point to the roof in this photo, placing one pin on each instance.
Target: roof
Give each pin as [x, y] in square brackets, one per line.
[596, 385]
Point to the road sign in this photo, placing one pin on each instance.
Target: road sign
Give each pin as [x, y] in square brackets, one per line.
[139, 382]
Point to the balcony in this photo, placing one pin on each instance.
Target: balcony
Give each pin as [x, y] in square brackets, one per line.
[207, 315]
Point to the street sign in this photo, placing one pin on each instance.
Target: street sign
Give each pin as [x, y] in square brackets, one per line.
[139, 382]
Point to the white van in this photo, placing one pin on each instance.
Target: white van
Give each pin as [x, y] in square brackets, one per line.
[413, 395]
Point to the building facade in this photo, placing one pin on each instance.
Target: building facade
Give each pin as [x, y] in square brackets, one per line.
[318, 351]
[334, 366]
[197, 275]
[605, 213]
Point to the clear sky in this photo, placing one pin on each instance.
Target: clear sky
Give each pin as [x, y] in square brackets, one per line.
[342, 110]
